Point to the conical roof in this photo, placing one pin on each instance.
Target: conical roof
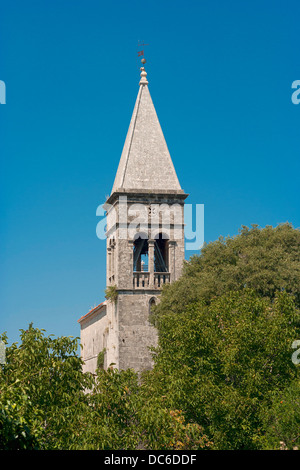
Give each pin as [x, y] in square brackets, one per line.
[145, 162]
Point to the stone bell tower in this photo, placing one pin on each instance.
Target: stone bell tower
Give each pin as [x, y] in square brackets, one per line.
[145, 240]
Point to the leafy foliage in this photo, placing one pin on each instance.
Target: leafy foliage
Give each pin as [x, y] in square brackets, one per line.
[221, 363]
[42, 381]
[225, 335]
[266, 260]
[223, 376]
[282, 423]
[100, 359]
[47, 402]
[111, 293]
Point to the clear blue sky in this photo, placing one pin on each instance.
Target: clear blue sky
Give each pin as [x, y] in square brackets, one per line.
[220, 75]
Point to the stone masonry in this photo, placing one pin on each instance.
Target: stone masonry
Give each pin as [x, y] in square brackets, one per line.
[145, 221]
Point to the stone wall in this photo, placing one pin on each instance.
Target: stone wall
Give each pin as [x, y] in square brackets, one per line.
[136, 333]
[99, 331]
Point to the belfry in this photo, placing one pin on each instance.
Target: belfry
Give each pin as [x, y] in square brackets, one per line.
[144, 243]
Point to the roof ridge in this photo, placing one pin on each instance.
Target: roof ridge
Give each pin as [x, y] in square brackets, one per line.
[102, 304]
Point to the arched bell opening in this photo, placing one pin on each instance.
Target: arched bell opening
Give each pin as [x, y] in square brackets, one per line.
[140, 253]
[161, 257]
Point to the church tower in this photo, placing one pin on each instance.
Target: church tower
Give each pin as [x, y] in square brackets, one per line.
[145, 244]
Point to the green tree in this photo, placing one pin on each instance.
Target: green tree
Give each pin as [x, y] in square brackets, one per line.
[223, 375]
[42, 392]
[222, 363]
[225, 334]
[282, 423]
[266, 260]
[47, 402]
[123, 415]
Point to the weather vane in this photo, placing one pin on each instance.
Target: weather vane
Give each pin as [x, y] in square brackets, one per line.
[141, 52]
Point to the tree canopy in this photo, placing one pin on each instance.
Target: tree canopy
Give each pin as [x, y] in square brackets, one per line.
[266, 260]
[222, 363]
[226, 329]
[223, 375]
[47, 402]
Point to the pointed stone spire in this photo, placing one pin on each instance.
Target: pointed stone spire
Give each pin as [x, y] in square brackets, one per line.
[145, 162]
